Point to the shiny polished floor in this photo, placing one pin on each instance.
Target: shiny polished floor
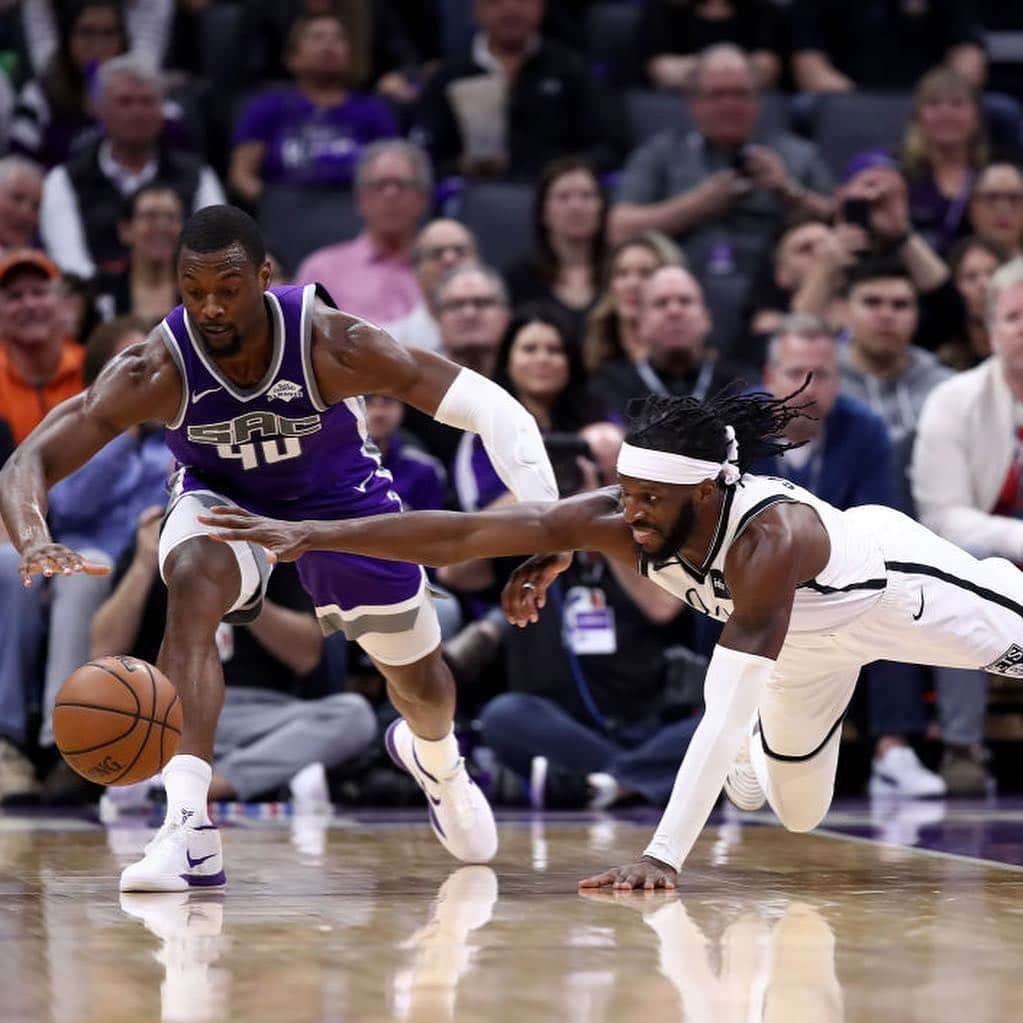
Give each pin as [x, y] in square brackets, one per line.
[363, 918]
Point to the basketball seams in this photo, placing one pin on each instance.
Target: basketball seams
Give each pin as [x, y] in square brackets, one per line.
[106, 742]
[124, 682]
[149, 730]
[117, 710]
[129, 674]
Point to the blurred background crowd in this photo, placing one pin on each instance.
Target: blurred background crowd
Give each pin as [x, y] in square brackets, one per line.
[586, 202]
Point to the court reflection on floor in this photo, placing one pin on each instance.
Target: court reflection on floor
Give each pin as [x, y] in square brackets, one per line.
[364, 923]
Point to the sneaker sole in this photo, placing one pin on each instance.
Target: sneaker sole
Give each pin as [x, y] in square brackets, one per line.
[178, 883]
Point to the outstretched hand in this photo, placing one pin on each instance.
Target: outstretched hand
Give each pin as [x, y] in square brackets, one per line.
[55, 559]
[648, 874]
[525, 593]
[285, 541]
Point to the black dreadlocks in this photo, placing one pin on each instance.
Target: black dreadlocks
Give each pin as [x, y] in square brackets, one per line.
[696, 429]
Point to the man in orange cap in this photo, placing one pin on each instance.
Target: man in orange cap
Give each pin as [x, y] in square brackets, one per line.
[40, 365]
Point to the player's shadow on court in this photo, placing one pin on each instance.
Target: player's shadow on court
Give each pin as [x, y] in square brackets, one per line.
[777, 972]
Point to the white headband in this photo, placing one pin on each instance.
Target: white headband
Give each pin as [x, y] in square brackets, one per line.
[664, 467]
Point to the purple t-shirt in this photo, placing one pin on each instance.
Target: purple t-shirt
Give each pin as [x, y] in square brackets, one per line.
[310, 145]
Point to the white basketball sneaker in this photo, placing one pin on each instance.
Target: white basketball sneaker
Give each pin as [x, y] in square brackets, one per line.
[178, 858]
[459, 813]
[742, 785]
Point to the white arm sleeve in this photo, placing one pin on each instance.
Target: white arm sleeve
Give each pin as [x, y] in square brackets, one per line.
[732, 692]
[508, 431]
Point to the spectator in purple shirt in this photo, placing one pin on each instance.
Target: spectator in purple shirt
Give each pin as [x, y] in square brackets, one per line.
[419, 478]
[311, 133]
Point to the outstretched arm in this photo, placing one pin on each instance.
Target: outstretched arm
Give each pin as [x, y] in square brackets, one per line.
[353, 357]
[140, 384]
[590, 522]
[780, 549]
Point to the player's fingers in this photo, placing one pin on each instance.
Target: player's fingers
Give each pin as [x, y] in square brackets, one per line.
[48, 565]
[227, 535]
[598, 880]
[95, 568]
[233, 510]
[226, 521]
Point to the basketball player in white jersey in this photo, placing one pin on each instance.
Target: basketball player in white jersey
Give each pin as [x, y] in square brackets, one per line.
[808, 595]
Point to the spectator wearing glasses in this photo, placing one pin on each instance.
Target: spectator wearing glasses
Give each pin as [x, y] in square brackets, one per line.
[996, 207]
[372, 275]
[440, 245]
[720, 190]
[472, 315]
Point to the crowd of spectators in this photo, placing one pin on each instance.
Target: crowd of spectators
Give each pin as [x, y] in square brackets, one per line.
[586, 202]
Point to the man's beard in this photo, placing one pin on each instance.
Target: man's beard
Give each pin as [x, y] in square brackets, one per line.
[223, 350]
[680, 533]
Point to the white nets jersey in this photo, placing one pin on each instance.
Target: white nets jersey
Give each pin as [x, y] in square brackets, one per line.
[851, 582]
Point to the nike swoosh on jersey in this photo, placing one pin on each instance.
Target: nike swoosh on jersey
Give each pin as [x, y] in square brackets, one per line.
[916, 617]
[199, 395]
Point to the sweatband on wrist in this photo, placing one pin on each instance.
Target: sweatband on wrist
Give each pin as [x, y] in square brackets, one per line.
[509, 433]
[732, 691]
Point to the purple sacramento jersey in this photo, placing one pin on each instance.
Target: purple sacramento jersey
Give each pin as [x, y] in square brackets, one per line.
[279, 450]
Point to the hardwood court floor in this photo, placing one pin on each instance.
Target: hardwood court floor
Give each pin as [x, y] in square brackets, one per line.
[368, 920]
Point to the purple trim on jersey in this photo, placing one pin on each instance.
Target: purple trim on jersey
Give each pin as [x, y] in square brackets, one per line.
[274, 448]
[276, 451]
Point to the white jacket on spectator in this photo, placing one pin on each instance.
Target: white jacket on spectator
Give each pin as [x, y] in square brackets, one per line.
[964, 447]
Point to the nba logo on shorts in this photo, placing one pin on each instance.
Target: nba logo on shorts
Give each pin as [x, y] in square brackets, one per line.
[1010, 663]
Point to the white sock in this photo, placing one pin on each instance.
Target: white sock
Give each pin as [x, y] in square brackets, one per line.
[438, 756]
[187, 781]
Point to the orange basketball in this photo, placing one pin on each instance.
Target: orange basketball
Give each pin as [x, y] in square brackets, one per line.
[117, 720]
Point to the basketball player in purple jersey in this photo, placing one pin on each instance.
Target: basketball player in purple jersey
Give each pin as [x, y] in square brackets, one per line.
[259, 389]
